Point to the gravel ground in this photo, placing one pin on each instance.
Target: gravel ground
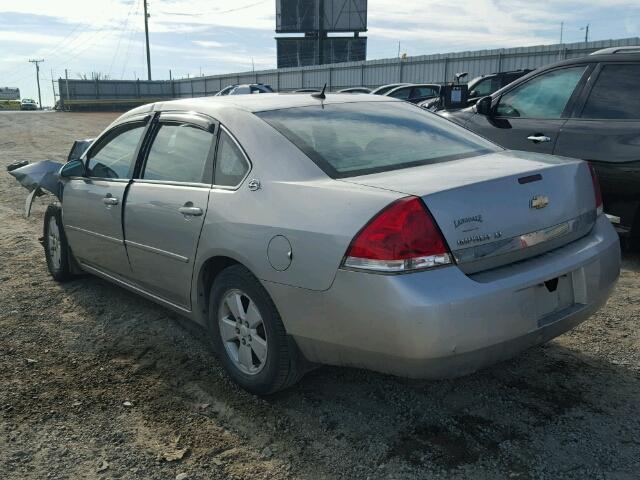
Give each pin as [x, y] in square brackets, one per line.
[99, 383]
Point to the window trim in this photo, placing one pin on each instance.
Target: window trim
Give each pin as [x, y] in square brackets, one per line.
[222, 128]
[571, 102]
[196, 120]
[584, 98]
[112, 133]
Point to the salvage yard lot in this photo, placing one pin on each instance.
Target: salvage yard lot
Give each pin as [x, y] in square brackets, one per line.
[99, 383]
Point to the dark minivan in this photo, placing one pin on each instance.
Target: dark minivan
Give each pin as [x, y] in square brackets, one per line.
[586, 108]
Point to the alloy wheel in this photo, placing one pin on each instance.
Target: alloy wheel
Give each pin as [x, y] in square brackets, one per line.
[242, 332]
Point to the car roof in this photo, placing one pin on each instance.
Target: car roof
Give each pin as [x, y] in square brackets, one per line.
[617, 50]
[256, 103]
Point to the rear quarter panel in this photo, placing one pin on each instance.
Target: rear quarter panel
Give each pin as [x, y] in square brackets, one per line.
[318, 215]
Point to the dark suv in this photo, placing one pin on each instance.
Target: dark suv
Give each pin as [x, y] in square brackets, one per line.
[586, 108]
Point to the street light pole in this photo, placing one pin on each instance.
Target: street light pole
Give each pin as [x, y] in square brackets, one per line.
[38, 79]
[146, 34]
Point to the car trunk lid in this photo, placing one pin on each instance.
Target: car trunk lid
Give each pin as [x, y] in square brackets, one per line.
[500, 208]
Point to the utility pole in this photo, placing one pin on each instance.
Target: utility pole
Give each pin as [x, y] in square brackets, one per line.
[53, 87]
[38, 79]
[146, 34]
[398, 48]
[561, 31]
[586, 33]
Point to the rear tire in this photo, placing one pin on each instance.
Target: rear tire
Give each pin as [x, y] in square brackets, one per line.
[249, 336]
[56, 248]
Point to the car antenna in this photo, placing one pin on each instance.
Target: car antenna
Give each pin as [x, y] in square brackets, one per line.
[321, 94]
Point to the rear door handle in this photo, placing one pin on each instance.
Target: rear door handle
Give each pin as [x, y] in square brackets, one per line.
[193, 211]
[109, 200]
[538, 138]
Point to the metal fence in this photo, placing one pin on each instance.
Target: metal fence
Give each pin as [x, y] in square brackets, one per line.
[372, 73]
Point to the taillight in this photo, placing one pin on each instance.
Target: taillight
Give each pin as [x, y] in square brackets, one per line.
[596, 189]
[402, 237]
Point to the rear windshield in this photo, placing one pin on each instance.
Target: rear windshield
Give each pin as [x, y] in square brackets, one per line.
[350, 139]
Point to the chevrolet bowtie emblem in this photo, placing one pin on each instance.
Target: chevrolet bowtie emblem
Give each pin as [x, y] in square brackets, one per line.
[538, 202]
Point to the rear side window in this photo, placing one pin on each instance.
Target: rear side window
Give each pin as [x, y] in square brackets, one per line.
[616, 94]
[545, 96]
[357, 138]
[179, 153]
[114, 156]
[486, 87]
[231, 166]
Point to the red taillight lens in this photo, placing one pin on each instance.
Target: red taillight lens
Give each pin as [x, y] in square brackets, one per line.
[596, 189]
[400, 238]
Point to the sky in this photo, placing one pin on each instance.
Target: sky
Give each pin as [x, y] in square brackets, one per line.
[194, 37]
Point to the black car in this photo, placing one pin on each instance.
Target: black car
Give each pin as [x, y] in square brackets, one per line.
[586, 108]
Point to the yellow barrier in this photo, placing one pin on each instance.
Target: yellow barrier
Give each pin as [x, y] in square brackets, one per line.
[9, 104]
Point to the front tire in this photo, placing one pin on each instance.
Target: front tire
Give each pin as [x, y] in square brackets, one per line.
[56, 248]
[248, 334]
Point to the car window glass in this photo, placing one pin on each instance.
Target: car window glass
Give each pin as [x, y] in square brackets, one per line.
[545, 96]
[486, 87]
[616, 93]
[115, 158]
[402, 93]
[179, 153]
[231, 165]
[358, 138]
[424, 92]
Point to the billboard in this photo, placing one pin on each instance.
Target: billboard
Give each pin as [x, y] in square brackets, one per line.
[8, 93]
[304, 16]
[303, 51]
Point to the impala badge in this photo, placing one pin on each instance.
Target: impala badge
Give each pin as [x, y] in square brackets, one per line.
[538, 202]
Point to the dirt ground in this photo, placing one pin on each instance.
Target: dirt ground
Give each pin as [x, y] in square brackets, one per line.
[99, 383]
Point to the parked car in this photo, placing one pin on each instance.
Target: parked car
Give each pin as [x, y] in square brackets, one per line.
[307, 90]
[245, 89]
[28, 104]
[415, 93]
[586, 108]
[347, 230]
[355, 90]
[385, 88]
[480, 87]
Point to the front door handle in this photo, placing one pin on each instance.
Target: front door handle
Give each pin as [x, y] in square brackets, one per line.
[539, 138]
[109, 200]
[193, 211]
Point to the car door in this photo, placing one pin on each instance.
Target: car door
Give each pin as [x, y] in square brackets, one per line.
[605, 130]
[92, 205]
[529, 116]
[167, 203]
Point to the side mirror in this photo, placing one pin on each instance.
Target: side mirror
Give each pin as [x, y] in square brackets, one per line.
[483, 106]
[74, 168]
[473, 93]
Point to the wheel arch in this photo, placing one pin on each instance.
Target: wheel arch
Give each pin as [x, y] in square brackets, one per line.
[206, 275]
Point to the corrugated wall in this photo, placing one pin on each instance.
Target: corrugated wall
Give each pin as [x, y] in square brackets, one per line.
[372, 73]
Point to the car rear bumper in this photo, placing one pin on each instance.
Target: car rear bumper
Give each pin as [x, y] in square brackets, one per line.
[443, 323]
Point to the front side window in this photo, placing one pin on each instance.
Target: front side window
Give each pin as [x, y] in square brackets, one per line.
[616, 94]
[231, 166]
[115, 157]
[420, 92]
[401, 93]
[545, 96]
[179, 153]
[357, 138]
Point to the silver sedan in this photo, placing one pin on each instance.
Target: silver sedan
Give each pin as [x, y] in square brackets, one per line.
[347, 230]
